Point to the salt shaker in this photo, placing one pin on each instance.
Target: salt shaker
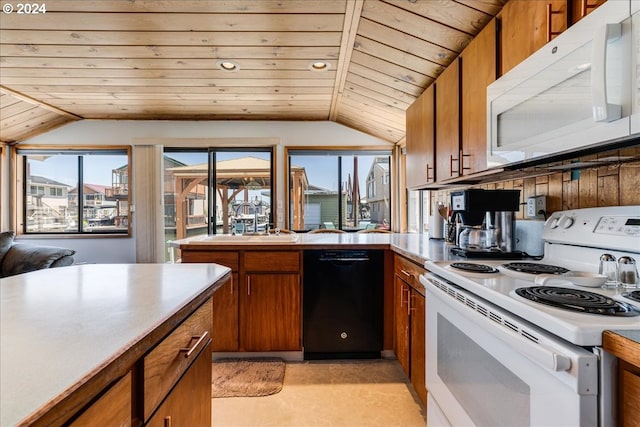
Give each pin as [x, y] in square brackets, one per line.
[627, 272]
[609, 268]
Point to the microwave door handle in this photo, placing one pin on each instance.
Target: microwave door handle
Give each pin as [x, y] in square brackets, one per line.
[602, 110]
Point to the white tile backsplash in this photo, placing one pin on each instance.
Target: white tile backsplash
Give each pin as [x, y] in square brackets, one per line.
[529, 237]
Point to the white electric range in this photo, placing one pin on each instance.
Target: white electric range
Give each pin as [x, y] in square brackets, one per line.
[495, 357]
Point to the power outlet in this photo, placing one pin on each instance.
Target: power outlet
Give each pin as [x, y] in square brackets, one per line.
[537, 207]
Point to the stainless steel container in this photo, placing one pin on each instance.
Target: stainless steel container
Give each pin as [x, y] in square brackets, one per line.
[503, 224]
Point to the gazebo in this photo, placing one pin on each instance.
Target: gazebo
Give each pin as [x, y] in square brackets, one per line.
[232, 177]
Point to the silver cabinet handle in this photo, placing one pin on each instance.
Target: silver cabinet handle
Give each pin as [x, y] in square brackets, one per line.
[189, 350]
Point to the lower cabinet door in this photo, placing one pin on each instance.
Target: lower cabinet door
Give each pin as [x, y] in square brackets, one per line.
[112, 409]
[189, 403]
[271, 312]
[225, 316]
[418, 339]
[401, 314]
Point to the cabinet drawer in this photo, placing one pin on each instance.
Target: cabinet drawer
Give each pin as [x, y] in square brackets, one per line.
[259, 261]
[189, 403]
[409, 272]
[113, 408]
[227, 258]
[164, 365]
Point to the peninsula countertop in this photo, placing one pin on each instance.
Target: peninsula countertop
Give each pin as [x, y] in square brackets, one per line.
[417, 247]
[61, 327]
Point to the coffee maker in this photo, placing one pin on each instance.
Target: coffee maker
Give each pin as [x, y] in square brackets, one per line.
[485, 223]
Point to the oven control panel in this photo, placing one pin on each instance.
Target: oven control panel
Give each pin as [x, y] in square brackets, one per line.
[613, 227]
[619, 226]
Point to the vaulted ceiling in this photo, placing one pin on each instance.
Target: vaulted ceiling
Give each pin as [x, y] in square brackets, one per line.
[161, 59]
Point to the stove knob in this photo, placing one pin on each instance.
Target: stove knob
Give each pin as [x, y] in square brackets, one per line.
[565, 221]
[553, 221]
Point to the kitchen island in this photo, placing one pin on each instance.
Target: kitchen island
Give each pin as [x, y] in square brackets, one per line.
[70, 334]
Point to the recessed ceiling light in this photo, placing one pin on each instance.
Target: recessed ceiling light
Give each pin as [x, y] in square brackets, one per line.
[226, 65]
[319, 65]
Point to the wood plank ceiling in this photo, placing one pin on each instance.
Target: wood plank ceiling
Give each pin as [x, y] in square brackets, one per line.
[158, 59]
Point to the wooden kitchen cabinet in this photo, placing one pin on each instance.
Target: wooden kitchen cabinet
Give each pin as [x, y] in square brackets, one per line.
[478, 62]
[409, 315]
[113, 408]
[174, 383]
[526, 26]
[627, 351]
[271, 302]
[448, 123]
[172, 357]
[421, 140]
[402, 325]
[629, 380]
[260, 310]
[189, 403]
[271, 313]
[225, 300]
[581, 8]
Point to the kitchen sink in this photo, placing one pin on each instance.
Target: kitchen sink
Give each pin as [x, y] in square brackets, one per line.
[249, 239]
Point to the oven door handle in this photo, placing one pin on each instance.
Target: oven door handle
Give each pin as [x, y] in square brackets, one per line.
[536, 352]
[495, 323]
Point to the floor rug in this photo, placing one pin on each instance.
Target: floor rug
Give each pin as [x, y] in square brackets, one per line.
[247, 377]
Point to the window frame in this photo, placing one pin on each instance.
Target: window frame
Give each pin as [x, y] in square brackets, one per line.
[339, 151]
[19, 184]
[211, 152]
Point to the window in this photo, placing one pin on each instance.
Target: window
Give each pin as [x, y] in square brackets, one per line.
[417, 211]
[207, 191]
[74, 191]
[341, 189]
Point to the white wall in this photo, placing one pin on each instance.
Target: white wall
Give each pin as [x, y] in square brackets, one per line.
[186, 134]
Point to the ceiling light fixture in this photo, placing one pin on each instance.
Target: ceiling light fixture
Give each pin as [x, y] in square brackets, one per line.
[226, 65]
[319, 65]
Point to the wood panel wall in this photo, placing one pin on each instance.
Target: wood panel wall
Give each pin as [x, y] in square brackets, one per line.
[612, 185]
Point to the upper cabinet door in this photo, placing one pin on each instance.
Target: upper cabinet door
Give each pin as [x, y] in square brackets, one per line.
[526, 26]
[478, 72]
[448, 123]
[581, 8]
[420, 140]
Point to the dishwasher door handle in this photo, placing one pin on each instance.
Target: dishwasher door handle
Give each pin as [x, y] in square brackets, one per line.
[344, 259]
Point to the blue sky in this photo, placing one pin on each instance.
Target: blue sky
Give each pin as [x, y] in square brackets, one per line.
[321, 170]
[97, 169]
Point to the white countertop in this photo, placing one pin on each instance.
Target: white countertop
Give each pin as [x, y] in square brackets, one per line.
[413, 245]
[59, 325]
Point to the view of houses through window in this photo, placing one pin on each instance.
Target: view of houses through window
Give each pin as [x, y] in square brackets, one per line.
[345, 190]
[76, 192]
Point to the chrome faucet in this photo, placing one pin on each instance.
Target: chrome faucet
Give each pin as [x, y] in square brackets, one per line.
[255, 214]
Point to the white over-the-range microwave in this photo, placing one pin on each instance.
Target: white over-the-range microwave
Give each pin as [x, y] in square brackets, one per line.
[580, 91]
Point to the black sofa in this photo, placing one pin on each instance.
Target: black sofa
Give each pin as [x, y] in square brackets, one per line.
[18, 257]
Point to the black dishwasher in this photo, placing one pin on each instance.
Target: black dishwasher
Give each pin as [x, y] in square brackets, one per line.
[343, 304]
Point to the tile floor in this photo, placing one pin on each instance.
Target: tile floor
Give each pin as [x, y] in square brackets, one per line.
[333, 393]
